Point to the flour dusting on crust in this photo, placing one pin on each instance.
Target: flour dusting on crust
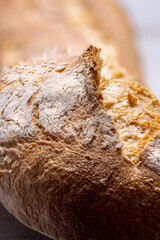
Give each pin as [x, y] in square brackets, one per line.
[151, 155]
[37, 101]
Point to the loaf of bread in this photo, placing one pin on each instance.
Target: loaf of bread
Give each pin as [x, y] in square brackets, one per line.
[80, 149]
[79, 139]
[37, 27]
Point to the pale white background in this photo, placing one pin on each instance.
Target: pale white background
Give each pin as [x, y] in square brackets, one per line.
[145, 18]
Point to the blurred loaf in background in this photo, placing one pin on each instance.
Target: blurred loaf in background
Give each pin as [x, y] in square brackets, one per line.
[33, 28]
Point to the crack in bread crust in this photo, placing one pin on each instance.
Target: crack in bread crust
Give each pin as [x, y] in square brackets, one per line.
[134, 110]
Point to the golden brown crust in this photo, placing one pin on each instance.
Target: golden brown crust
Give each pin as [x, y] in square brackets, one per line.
[37, 27]
[62, 168]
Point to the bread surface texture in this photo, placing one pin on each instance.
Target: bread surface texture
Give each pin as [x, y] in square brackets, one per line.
[38, 28]
[66, 167]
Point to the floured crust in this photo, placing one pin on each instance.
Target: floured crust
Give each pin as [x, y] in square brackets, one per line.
[62, 167]
[151, 156]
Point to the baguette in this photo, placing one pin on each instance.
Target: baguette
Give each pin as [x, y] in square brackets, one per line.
[37, 28]
[79, 149]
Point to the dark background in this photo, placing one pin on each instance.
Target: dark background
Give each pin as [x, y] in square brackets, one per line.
[12, 229]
